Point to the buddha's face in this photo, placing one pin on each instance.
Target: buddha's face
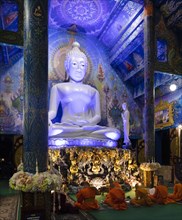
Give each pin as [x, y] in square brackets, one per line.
[124, 106]
[77, 69]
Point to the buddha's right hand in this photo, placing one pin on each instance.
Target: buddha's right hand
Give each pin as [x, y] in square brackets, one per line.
[80, 122]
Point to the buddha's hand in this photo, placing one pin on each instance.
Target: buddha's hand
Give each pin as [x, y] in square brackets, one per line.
[80, 122]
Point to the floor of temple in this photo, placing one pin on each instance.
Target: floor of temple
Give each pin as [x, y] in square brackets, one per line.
[9, 202]
[157, 212]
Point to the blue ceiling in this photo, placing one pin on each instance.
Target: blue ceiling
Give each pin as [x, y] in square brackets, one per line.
[118, 24]
[88, 16]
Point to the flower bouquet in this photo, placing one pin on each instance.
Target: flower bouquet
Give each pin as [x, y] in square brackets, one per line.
[39, 182]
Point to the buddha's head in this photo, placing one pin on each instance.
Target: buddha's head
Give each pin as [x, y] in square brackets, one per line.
[124, 106]
[76, 63]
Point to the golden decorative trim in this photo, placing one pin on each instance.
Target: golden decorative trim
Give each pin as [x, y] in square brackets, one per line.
[38, 11]
[163, 114]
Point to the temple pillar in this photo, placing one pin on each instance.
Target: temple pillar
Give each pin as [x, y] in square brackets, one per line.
[35, 134]
[149, 90]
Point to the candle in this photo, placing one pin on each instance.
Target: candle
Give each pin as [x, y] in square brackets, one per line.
[179, 136]
[54, 201]
[37, 167]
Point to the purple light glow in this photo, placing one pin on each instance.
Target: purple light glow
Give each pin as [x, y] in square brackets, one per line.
[56, 143]
[88, 14]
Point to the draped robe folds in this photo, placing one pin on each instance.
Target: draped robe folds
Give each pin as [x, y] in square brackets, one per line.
[177, 193]
[116, 199]
[81, 113]
[161, 195]
[142, 198]
[86, 199]
[116, 184]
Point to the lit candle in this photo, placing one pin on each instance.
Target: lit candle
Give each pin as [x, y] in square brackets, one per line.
[37, 167]
[179, 136]
[51, 166]
[59, 200]
[54, 201]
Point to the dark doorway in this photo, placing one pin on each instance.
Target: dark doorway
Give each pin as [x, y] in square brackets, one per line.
[6, 156]
[162, 146]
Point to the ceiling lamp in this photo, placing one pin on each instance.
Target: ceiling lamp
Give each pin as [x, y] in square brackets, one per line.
[173, 87]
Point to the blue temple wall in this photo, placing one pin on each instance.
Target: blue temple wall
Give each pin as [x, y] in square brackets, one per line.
[100, 75]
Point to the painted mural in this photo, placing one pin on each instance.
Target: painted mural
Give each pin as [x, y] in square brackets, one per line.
[9, 16]
[88, 16]
[120, 23]
[123, 82]
[11, 92]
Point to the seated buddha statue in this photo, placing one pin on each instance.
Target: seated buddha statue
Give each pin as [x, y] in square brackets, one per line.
[80, 103]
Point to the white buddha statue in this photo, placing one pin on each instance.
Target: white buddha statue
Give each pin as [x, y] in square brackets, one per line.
[126, 124]
[80, 103]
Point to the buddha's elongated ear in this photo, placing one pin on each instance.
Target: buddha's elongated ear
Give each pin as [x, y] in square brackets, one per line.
[67, 78]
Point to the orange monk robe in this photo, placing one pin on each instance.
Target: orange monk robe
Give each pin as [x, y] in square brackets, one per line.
[142, 198]
[177, 193]
[86, 199]
[116, 184]
[116, 199]
[161, 195]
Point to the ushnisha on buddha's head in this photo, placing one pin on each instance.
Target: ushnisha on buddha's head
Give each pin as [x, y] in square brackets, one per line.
[76, 63]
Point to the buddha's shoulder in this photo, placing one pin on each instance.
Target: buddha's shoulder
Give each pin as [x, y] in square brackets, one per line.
[63, 85]
[91, 88]
[74, 86]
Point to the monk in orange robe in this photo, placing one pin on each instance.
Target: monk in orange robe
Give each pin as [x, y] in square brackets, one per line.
[116, 197]
[142, 197]
[177, 193]
[160, 195]
[86, 197]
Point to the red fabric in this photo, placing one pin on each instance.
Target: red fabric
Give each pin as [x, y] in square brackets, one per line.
[177, 193]
[116, 184]
[86, 199]
[161, 195]
[116, 199]
[141, 198]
